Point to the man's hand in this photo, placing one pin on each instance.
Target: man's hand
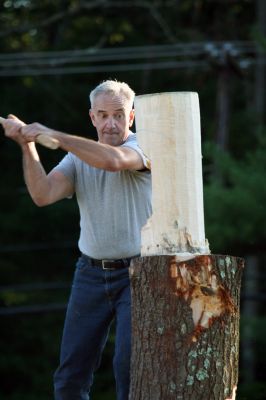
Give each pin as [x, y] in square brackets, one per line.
[12, 127]
[22, 133]
[41, 134]
[32, 131]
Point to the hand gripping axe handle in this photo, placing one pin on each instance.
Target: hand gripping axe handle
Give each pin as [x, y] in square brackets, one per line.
[43, 139]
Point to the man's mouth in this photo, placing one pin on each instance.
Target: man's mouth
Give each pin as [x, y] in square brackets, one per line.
[110, 133]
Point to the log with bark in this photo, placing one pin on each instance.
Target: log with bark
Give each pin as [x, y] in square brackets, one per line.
[185, 302]
[185, 327]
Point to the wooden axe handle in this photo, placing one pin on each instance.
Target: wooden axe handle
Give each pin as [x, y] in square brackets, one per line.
[47, 141]
[43, 139]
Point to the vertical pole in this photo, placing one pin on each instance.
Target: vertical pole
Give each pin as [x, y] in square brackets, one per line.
[261, 66]
[223, 106]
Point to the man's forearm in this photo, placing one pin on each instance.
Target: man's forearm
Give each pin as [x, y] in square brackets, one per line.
[94, 153]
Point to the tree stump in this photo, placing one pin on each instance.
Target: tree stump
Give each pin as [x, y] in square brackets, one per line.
[185, 327]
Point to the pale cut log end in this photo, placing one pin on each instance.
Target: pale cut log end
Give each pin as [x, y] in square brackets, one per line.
[176, 241]
[168, 130]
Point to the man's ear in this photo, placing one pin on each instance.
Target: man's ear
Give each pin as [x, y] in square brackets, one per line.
[92, 117]
[131, 117]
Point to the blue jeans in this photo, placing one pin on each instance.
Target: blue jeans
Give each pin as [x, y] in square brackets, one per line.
[97, 297]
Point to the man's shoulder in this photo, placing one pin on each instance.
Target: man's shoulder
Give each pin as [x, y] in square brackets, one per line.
[132, 143]
[130, 140]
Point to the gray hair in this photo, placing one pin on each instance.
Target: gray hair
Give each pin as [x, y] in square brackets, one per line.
[115, 88]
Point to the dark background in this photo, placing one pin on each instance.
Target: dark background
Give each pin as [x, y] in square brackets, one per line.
[52, 54]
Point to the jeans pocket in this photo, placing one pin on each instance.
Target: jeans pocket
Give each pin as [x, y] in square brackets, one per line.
[82, 264]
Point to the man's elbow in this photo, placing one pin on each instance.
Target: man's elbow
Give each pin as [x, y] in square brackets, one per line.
[40, 201]
[123, 162]
[114, 165]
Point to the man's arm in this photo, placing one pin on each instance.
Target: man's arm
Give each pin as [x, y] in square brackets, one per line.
[44, 189]
[96, 154]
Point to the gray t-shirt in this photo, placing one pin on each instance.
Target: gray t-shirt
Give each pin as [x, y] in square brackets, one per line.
[113, 205]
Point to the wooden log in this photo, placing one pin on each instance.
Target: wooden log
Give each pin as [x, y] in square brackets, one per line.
[185, 302]
[185, 318]
[168, 131]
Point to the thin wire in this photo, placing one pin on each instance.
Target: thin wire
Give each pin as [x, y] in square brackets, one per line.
[105, 68]
[242, 46]
[47, 63]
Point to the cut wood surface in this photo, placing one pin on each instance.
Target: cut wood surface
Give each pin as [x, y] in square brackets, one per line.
[185, 327]
[168, 131]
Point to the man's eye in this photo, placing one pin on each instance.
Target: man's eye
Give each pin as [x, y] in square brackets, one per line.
[120, 116]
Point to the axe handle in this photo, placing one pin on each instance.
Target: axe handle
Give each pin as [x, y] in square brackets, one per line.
[43, 139]
[47, 141]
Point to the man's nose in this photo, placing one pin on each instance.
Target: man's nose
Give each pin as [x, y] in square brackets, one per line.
[110, 122]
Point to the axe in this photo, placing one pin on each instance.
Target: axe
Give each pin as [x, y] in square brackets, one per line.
[43, 139]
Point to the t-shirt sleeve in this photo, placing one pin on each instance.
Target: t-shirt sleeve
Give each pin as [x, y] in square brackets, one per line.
[67, 167]
[133, 144]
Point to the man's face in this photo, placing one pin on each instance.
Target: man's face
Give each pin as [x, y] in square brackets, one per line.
[112, 118]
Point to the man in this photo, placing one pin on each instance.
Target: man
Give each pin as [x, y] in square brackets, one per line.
[112, 183]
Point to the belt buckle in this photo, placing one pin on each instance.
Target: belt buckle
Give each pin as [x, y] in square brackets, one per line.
[103, 265]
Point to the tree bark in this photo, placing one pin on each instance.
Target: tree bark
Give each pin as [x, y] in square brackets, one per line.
[185, 327]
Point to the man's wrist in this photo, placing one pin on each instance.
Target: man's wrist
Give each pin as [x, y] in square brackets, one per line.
[27, 146]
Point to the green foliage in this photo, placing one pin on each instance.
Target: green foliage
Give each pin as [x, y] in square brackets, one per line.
[57, 24]
[257, 331]
[254, 391]
[235, 198]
